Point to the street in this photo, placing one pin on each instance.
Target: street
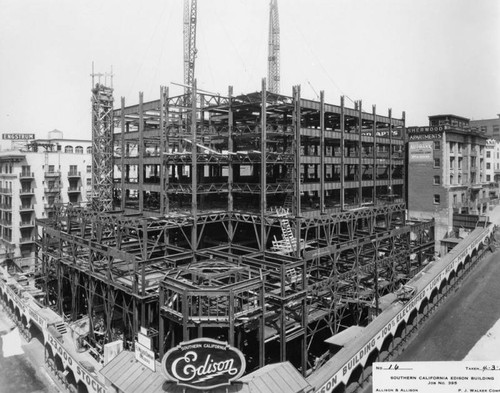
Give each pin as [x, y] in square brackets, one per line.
[461, 322]
[22, 373]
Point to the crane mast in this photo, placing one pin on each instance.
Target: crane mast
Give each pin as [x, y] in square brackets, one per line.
[273, 63]
[189, 30]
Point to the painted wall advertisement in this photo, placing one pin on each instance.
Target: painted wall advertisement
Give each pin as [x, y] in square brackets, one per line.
[425, 133]
[17, 136]
[420, 151]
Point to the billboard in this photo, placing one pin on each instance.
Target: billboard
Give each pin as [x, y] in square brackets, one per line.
[203, 364]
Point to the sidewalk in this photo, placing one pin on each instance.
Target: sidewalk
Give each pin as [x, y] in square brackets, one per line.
[24, 373]
[488, 347]
[494, 215]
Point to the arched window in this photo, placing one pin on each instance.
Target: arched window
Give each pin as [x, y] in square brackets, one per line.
[79, 150]
[68, 149]
[89, 150]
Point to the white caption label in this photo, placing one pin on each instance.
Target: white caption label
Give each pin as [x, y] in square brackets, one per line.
[437, 377]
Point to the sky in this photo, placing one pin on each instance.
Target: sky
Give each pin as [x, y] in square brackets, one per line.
[423, 57]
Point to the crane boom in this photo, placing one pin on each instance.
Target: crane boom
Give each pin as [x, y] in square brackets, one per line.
[273, 63]
[189, 29]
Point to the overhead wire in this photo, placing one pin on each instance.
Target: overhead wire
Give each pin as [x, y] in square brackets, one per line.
[203, 43]
[308, 46]
[146, 50]
[313, 89]
[162, 47]
[247, 70]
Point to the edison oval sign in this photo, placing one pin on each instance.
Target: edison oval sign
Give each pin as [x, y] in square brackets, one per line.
[203, 364]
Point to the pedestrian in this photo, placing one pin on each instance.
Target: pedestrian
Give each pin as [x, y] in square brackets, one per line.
[3, 333]
[10, 342]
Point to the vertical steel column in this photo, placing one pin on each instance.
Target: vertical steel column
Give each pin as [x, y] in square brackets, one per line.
[161, 322]
[90, 291]
[109, 298]
[360, 146]
[322, 153]
[374, 154]
[376, 245]
[122, 158]
[135, 316]
[75, 293]
[126, 320]
[263, 166]
[230, 178]
[185, 316]
[60, 276]
[297, 125]
[230, 337]
[164, 169]
[305, 320]
[405, 185]
[201, 202]
[45, 262]
[390, 153]
[144, 258]
[140, 147]
[262, 326]
[194, 171]
[342, 147]
[282, 316]
[298, 224]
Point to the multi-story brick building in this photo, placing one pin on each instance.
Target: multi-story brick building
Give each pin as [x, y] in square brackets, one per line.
[32, 179]
[448, 175]
[489, 127]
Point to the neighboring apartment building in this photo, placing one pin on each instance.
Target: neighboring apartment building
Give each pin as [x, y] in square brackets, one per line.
[490, 127]
[32, 179]
[493, 161]
[448, 177]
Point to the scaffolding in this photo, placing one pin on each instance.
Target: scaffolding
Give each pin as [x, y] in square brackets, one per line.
[102, 145]
[268, 221]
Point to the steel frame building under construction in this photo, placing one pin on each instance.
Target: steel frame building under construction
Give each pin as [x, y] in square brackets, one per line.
[268, 221]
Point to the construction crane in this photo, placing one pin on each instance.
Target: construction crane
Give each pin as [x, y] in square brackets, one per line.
[273, 60]
[189, 43]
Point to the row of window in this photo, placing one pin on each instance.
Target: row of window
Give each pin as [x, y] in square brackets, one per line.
[52, 168]
[7, 185]
[26, 169]
[460, 147]
[437, 198]
[56, 184]
[7, 168]
[496, 129]
[78, 149]
[488, 154]
[460, 178]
